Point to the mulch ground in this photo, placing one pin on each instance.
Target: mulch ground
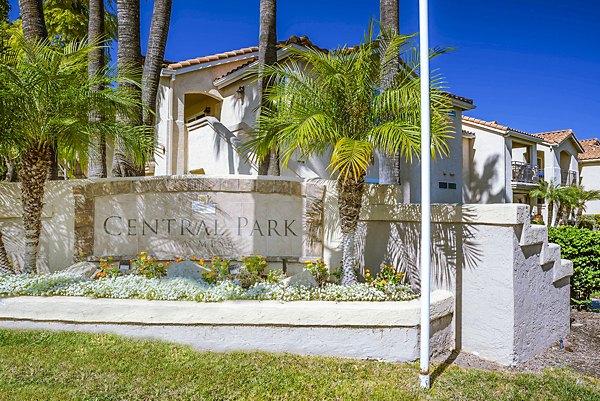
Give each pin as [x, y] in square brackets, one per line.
[582, 353]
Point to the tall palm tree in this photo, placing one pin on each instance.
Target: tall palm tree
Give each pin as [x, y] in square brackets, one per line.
[96, 63]
[32, 17]
[550, 193]
[267, 56]
[129, 58]
[389, 165]
[333, 101]
[49, 99]
[155, 55]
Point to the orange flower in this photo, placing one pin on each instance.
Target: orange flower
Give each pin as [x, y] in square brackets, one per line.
[101, 274]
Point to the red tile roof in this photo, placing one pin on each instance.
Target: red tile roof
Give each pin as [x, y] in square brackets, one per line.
[239, 67]
[591, 149]
[555, 136]
[302, 41]
[496, 125]
[462, 99]
[558, 136]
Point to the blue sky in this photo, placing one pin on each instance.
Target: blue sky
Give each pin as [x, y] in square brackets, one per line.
[530, 64]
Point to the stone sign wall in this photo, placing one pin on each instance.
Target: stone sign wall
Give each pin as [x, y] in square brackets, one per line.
[198, 216]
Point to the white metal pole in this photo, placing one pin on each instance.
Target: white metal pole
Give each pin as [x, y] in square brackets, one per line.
[425, 192]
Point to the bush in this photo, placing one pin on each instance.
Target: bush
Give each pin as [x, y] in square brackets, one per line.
[582, 247]
[219, 270]
[386, 277]
[254, 264]
[319, 270]
[275, 276]
[148, 267]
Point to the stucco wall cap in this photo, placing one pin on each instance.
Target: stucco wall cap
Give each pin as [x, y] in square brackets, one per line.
[301, 313]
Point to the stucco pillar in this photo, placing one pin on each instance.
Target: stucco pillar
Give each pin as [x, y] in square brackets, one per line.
[508, 193]
[533, 155]
[179, 138]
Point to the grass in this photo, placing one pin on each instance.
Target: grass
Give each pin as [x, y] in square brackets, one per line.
[39, 365]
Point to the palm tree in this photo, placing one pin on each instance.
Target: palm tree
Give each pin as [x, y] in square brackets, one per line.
[333, 101]
[32, 17]
[567, 202]
[390, 24]
[96, 63]
[34, 29]
[155, 55]
[550, 193]
[49, 101]
[267, 56]
[129, 58]
[582, 197]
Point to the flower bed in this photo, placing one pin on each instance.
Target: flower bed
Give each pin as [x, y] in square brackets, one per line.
[138, 286]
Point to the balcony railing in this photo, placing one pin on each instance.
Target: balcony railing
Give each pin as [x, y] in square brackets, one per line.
[568, 177]
[526, 173]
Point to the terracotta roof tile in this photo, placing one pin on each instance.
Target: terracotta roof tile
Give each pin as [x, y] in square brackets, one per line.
[239, 67]
[591, 149]
[555, 136]
[559, 136]
[302, 41]
[462, 99]
[496, 125]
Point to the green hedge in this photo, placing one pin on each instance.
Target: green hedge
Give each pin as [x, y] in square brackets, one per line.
[582, 247]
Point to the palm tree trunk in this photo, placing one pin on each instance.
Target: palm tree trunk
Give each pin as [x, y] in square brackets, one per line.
[267, 55]
[34, 171]
[5, 265]
[32, 17]
[350, 193]
[155, 55]
[128, 56]
[389, 164]
[96, 63]
[558, 214]
[550, 213]
[579, 217]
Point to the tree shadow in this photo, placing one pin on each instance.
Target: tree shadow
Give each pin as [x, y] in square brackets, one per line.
[478, 187]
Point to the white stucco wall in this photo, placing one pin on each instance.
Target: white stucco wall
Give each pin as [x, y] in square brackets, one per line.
[511, 287]
[370, 330]
[57, 239]
[590, 180]
[490, 167]
[552, 167]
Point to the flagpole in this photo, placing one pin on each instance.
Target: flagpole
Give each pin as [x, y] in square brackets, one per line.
[425, 192]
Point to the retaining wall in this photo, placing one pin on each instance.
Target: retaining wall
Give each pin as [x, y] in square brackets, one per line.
[377, 330]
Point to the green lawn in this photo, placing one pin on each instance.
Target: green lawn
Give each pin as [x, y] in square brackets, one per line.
[70, 366]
